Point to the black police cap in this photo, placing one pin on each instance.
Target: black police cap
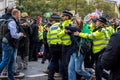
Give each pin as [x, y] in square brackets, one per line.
[55, 17]
[67, 13]
[102, 19]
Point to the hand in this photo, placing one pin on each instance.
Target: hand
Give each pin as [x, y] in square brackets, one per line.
[46, 29]
[76, 33]
[24, 24]
[22, 34]
[67, 31]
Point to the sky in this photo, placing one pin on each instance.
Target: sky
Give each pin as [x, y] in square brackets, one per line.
[117, 1]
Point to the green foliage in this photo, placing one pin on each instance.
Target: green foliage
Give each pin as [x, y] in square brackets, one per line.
[39, 7]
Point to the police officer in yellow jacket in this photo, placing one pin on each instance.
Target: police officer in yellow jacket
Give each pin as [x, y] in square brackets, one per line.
[66, 43]
[110, 30]
[117, 29]
[54, 45]
[100, 40]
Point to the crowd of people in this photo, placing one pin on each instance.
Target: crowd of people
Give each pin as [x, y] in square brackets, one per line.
[74, 48]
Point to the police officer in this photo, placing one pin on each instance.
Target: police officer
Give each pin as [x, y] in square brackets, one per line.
[109, 28]
[100, 40]
[54, 45]
[66, 43]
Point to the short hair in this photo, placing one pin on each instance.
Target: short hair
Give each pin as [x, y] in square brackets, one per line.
[14, 11]
[9, 9]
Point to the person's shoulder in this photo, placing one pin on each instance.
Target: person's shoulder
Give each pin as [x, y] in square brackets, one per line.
[11, 22]
[116, 35]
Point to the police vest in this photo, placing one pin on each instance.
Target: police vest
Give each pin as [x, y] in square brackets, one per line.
[110, 30]
[65, 37]
[99, 37]
[66, 23]
[117, 28]
[52, 37]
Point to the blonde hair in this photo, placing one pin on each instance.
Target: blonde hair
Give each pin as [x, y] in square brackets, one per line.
[14, 11]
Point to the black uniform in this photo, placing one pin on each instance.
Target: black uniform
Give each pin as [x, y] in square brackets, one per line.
[33, 53]
[111, 57]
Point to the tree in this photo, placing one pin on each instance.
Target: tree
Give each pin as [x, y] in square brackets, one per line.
[39, 7]
[107, 8]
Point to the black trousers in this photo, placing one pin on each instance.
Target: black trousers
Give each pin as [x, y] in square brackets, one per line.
[55, 51]
[89, 59]
[23, 49]
[66, 53]
[33, 53]
[99, 73]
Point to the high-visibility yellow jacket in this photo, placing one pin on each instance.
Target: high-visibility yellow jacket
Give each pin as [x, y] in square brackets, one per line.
[91, 27]
[65, 37]
[40, 32]
[66, 23]
[99, 37]
[52, 37]
[110, 30]
[117, 28]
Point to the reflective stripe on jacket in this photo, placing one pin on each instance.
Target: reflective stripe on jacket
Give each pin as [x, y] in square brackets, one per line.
[100, 39]
[52, 37]
[65, 37]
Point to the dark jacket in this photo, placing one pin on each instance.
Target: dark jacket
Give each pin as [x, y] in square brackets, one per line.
[34, 35]
[75, 39]
[27, 29]
[6, 16]
[110, 59]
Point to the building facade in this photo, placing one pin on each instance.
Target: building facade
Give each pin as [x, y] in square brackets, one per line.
[4, 4]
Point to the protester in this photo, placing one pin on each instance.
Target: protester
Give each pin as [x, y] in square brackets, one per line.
[33, 53]
[10, 44]
[23, 50]
[77, 58]
[100, 40]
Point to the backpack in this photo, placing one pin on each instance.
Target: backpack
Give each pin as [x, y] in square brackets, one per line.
[3, 24]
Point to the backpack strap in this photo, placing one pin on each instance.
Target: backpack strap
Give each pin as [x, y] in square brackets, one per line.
[79, 45]
[4, 25]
